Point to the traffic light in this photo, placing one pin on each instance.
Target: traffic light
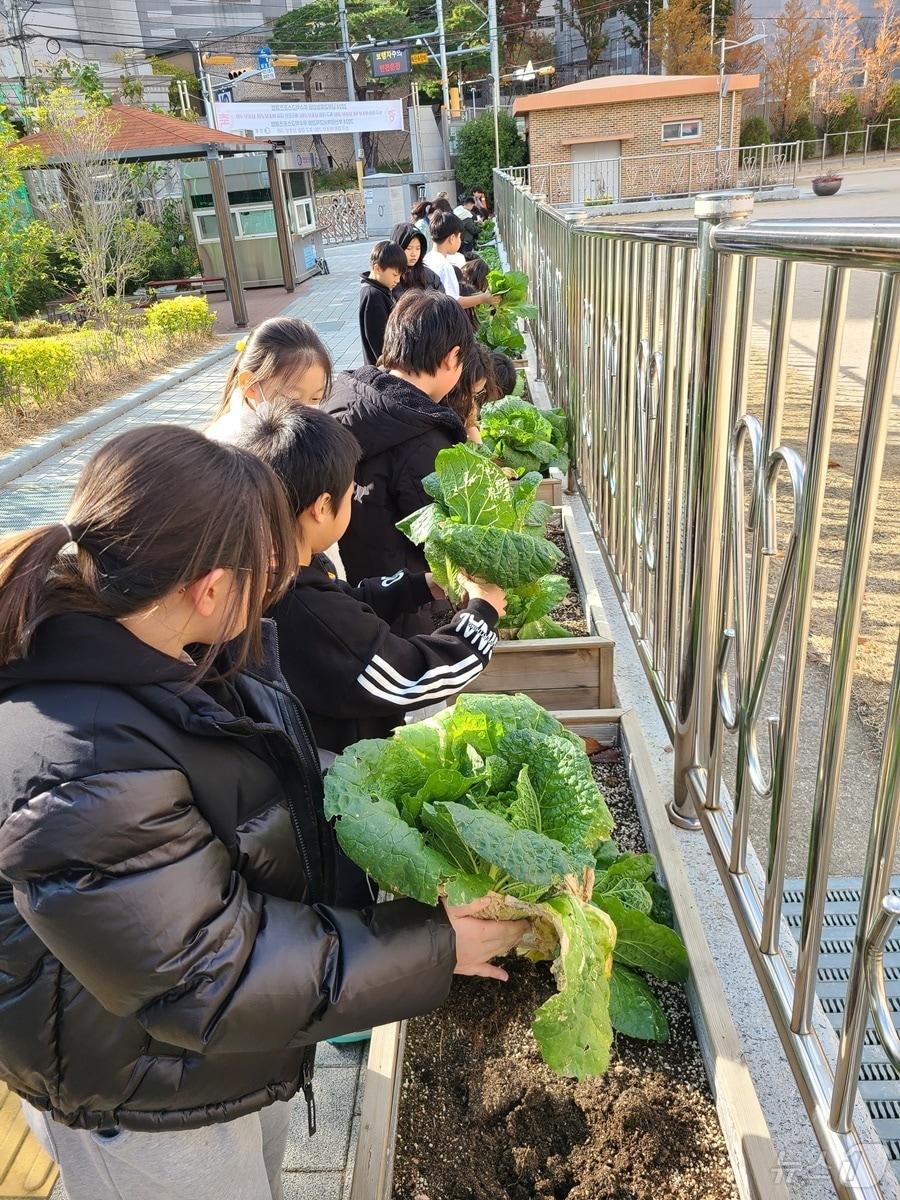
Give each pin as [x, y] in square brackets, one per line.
[232, 75]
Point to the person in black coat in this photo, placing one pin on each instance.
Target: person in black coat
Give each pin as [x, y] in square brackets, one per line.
[376, 296]
[396, 416]
[416, 275]
[353, 676]
[170, 951]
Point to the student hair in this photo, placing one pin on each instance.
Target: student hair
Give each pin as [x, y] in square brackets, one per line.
[420, 209]
[309, 451]
[154, 509]
[475, 274]
[443, 225]
[279, 346]
[463, 399]
[505, 374]
[386, 255]
[422, 330]
[403, 234]
[441, 204]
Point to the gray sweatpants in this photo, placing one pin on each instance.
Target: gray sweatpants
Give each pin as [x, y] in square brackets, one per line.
[238, 1160]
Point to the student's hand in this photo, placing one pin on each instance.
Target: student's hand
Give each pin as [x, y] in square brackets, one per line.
[495, 300]
[436, 590]
[477, 941]
[477, 589]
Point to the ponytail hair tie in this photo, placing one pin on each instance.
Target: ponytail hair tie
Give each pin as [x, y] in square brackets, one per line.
[68, 529]
[241, 346]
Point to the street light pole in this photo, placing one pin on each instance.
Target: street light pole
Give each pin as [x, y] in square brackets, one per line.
[495, 75]
[445, 85]
[351, 86]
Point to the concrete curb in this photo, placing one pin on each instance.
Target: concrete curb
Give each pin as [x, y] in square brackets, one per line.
[18, 462]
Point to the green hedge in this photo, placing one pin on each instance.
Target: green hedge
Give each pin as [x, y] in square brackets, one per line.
[36, 370]
[182, 314]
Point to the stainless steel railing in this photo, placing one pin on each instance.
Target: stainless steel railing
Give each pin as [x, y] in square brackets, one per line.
[674, 366]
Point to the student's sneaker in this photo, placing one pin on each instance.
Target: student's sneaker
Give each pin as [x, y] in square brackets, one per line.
[347, 1039]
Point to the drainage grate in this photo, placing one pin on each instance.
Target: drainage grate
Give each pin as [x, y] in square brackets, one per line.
[879, 1083]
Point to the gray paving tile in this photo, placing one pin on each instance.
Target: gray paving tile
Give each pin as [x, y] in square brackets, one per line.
[318, 1185]
[341, 1056]
[335, 1095]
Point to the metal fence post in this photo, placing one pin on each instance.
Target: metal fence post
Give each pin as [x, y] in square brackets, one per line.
[715, 323]
[866, 146]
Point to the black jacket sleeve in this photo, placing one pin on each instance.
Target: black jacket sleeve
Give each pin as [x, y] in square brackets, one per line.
[390, 596]
[125, 882]
[374, 310]
[341, 659]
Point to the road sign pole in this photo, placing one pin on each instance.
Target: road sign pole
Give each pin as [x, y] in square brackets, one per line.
[351, 87]
[445, 84]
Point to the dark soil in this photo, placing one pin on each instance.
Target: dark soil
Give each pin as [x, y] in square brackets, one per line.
[570, 614]
[483, 1118]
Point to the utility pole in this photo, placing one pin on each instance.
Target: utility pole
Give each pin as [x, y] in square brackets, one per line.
[15, 18]
[495, 75]
[351, 87]
[445, 84]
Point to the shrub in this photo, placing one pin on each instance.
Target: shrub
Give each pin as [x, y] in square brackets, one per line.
[890, 111]
[36, 370]
[475, 151]
[181, 315]
[35, 327]
[848, 119]
[802, 130]
[755, 132]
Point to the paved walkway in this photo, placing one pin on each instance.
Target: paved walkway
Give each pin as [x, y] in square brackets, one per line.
[328, 302]
[317, 1168]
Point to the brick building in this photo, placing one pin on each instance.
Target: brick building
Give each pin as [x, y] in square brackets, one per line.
[630, 136]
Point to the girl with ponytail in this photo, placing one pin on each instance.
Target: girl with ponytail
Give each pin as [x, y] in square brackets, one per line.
[283, 358]
[169, 949]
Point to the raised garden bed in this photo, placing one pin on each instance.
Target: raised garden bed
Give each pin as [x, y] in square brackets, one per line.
[551, 490]
[459, 1105]
[559, 673]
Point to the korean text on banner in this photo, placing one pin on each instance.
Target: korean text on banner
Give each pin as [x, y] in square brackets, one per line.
[295, 120]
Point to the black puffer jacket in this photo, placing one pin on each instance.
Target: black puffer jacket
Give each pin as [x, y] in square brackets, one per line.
[401, 431]
[167, 955]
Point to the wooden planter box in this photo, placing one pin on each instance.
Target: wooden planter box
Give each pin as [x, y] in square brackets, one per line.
[559, 673]
[551, 490]
[748, 1141]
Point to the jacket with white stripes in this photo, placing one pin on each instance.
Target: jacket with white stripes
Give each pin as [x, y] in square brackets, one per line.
[353, 676]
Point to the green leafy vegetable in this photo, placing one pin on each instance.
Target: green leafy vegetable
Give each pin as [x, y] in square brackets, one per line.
[521, 437]
[494, 797]
[499, 326]
[487, 527]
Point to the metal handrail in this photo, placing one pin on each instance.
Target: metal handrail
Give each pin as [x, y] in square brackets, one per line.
[643, 334]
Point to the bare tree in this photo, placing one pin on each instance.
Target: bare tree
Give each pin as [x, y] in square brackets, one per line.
[94, 207]
[881, 57]
[791, 53]
[838, 56]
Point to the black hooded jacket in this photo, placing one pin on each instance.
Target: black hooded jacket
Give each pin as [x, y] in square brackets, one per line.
[400, 430]
[353, 676]
[376, 301]
[168, 951]
[419, 276]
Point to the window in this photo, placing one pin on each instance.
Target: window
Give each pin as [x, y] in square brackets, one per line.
[318, 85]
[296, 184]
[303, 215]
[682, 131]
[292, 85]
[255, 222]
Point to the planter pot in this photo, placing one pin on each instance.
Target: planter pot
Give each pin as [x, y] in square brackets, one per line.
[826, 187]
[750, 1150]
[559, 673]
